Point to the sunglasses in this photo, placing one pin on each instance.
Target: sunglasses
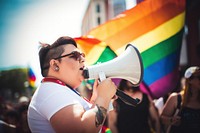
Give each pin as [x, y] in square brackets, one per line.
[198, 77]
[75, 55]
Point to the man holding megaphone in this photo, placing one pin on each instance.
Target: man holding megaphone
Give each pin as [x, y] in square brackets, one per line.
[56, 106]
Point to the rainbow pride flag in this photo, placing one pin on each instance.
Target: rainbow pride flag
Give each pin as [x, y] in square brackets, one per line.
[155, 27]
[96, 51]
[31, 78]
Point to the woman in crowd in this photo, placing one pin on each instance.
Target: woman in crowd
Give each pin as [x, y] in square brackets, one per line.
[181, 112]
[143, 118]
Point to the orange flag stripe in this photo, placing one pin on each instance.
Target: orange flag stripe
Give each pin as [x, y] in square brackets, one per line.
[157, 35]
[136, 22]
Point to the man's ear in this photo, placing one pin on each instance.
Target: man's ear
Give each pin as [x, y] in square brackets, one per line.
[54, 65]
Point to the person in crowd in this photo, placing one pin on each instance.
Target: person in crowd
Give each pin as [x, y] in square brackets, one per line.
[181, 112]
[143, 118]
[23, 123]
[56, 106]
[14, 117]
[9, 117]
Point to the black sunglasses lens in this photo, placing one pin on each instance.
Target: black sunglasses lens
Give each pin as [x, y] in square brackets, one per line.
[77, 55]
[74, 55]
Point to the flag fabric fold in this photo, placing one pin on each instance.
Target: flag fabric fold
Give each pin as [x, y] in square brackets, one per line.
[96, 51]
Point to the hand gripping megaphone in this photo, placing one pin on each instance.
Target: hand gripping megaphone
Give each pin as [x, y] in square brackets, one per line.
[127, 66]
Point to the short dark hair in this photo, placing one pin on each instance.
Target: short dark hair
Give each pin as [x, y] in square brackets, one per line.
[48, 52]
[123, 86]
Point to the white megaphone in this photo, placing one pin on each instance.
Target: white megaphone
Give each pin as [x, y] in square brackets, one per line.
[127, 66]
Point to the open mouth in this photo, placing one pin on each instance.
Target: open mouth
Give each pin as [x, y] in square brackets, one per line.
[82, 68]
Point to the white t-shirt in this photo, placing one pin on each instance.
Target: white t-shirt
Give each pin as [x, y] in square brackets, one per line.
[47, 100]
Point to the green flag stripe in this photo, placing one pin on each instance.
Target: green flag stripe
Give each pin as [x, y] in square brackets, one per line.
[106, 55]
[161, 50]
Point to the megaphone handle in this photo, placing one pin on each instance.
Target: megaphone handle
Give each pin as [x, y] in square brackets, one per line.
[102, 76]
[124, 97]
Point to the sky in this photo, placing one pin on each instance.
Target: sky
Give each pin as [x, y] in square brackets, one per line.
[25, 23]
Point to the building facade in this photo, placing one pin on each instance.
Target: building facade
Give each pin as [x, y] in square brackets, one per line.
[100, 11]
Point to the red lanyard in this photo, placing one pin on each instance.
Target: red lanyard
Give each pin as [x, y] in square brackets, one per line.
[49, 79]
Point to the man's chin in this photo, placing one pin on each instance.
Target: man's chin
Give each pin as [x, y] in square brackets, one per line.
[82, 78]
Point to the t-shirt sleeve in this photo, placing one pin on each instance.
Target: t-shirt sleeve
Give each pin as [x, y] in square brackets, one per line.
[54, 102]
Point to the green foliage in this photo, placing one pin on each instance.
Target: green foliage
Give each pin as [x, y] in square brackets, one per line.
[13, 80]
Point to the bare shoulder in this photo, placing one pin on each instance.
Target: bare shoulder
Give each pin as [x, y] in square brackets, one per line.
[170, 104]
[173, 96]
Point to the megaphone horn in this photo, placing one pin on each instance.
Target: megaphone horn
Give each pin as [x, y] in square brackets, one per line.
[126, 66]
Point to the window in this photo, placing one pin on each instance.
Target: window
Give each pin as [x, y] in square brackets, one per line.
[99, 20]
[98, 8]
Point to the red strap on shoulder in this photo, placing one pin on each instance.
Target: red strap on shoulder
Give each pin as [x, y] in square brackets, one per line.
[49, 79]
